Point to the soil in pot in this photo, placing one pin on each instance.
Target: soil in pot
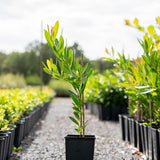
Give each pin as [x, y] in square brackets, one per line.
[79, 148]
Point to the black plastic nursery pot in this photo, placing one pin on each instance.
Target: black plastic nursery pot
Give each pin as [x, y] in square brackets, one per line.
[130, 129]
[89, 105]
[8, 141]
[105, 112]
[5, 145]
[142, 137]
[12, 130]
[86, 105]
[11, 133]
[155, 144]
[115, 111]
[94, 109]
[134, 133]
[19, 132]
[2, 142]
[150, 144]
[26, 125]
[139, 138]
[127, 135]
[79, 148]
[146, 140]
[122, 126]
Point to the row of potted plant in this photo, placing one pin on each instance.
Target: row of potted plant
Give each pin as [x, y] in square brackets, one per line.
[104, 97]
[20, 109]
[142, 84]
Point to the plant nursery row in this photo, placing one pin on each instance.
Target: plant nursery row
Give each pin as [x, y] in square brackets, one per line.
[142, 85]
[104, 97]
[20, 109]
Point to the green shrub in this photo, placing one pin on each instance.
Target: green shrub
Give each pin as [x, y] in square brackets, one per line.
[60, 87]
[33, 80]
[9, 81]
[104, 89]
[16, 103]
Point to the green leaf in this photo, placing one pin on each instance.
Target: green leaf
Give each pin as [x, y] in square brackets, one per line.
[77, 130]
[75, 98]
[136, 22]
[49, 64]
[74, 120]
[151, 30]
[76, 115]
[55, 30]
[146, 91]
[47, 71]
[141, 87]
[48, 38]
[84, 69]
[61, 42]
[76, 109]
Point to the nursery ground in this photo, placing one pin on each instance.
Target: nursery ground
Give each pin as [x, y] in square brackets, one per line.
[46, 139]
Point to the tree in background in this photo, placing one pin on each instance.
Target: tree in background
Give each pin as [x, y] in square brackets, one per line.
[2, 58]
[27, 63]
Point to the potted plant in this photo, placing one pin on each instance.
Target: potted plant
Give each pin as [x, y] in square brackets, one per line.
[79, 146]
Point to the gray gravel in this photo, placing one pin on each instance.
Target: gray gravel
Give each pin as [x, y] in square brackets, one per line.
[46, 139]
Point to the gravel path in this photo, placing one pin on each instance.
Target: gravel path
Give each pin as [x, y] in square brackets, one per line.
[46, 139]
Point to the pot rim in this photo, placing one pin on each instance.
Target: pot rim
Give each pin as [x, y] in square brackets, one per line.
[71, 136]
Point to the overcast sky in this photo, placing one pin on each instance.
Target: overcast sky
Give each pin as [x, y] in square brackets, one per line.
[94, 24]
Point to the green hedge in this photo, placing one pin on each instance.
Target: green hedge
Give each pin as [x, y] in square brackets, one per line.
[8, 81]
[60, 87]
[16, 103]
[104, 89]
[33, 80]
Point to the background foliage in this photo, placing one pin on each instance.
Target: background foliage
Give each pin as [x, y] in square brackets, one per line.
[28, 63]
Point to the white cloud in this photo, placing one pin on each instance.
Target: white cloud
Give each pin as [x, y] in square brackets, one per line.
[93, 24]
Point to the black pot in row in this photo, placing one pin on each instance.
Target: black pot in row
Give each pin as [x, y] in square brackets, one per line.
[103, 112]
[16, 133]
[141, 136]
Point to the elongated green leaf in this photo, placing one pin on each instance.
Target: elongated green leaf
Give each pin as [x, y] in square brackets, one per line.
[136, 22]
[75, 98]
[55, 30]
[77, 130]
[76, 115]
[146, 91]
[74, 120]
[48, 38]
[77, 109]
[84, 69]
[151, 30]
[141, 87]
[47, 71]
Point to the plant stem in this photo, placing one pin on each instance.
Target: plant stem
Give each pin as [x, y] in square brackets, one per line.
[83, 110]
[138, 110]
[150, 107]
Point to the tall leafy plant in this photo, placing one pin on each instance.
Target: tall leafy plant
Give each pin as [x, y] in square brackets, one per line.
[143, 73]
[70, 71]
